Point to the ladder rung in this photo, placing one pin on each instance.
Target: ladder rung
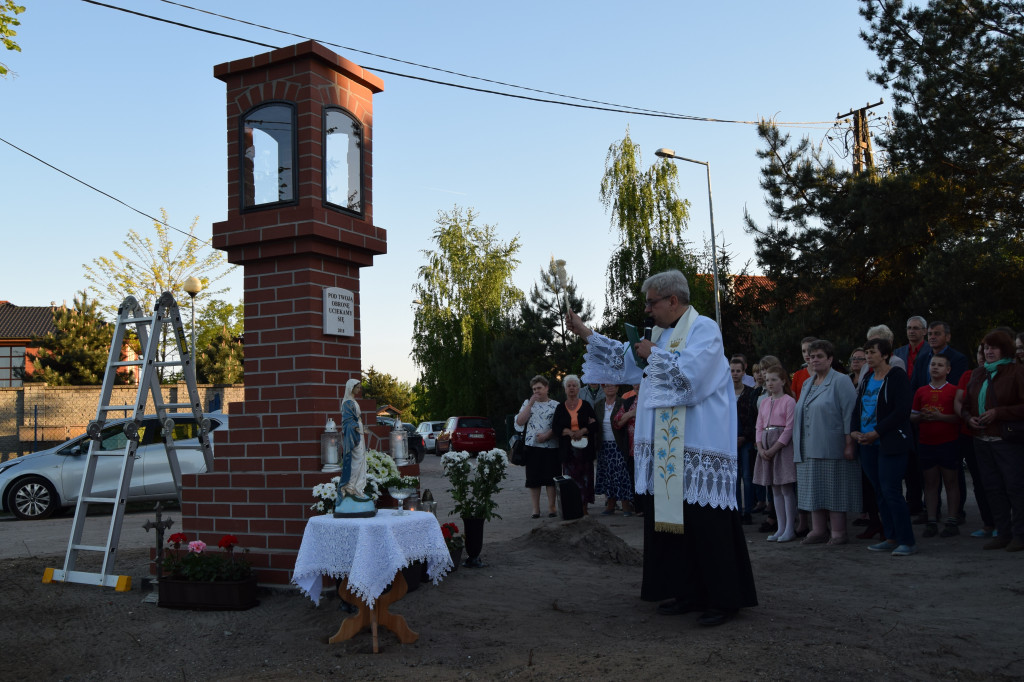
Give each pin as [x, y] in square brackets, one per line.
[136, 320]
[89, 548]
[127, 363]
[100, 500]
[117, 408]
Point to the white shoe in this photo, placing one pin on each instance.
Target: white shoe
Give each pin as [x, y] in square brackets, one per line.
[785, 538]
[772, 538]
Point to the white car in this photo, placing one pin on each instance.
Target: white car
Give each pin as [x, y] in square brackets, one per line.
[429, 431]
[36, 486]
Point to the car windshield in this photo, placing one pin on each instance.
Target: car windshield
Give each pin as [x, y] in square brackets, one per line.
[474, 423]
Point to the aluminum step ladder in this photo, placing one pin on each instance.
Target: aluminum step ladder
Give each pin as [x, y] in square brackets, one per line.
[149, 331]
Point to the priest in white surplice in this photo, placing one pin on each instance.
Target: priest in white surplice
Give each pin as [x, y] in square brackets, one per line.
[695, 553]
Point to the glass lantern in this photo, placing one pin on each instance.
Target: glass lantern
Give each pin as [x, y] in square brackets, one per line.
[400, 445]
[330, 447]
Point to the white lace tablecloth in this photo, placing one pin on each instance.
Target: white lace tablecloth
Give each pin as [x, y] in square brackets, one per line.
[369, 551]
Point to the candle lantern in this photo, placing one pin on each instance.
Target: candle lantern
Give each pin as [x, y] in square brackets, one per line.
[330, 446]
[427, 502]
[400, 445]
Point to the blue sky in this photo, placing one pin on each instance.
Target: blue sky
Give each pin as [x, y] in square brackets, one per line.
[131, 106]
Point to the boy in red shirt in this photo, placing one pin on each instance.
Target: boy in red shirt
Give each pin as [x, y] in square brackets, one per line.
[938, 453]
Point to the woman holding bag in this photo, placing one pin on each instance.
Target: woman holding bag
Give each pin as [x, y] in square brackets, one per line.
[575, 425]
[539, 444]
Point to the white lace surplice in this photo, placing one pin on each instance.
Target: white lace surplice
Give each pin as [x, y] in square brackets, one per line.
[368, 552]
[696, 377]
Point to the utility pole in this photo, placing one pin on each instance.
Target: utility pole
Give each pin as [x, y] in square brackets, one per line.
[863, 156]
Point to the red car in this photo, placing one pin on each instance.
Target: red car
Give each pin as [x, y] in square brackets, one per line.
[466, 434]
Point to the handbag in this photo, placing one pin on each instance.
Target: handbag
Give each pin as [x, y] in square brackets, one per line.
[517, 452]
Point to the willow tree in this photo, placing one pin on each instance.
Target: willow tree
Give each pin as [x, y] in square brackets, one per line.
[649, 217]
[464, 293]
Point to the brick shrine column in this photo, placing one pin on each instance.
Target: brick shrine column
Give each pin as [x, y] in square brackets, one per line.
[297, 225]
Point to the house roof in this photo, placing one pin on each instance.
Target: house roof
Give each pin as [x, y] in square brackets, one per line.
[24, 322]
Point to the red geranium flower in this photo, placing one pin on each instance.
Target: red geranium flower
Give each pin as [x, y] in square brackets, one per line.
[228, 541]
[177, 538]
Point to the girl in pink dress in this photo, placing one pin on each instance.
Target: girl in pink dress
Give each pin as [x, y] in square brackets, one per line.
[774, 463]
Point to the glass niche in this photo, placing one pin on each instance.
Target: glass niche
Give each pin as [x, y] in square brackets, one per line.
[343, 178]
[268, 156]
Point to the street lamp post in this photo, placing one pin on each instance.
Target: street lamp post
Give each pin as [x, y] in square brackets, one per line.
[671, 154]
[192, 287]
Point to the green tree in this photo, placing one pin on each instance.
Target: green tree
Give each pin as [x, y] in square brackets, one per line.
[936, 231]
[8, 19]
[388, 390]
[220, 352]
[76, 353]
[535, 341]
[220, 360]
[649, 218]
[214, 317]
[464, 293]
[146, 268]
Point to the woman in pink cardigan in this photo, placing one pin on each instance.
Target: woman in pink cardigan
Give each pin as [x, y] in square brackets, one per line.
[774, 463]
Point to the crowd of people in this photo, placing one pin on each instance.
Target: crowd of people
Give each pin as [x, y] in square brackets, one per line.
[886, 440]
[670, 430]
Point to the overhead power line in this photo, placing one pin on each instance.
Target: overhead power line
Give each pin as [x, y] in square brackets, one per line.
[596, 105]
[96, 189]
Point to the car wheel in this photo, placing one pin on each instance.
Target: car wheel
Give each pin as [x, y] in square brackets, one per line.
[33, 498]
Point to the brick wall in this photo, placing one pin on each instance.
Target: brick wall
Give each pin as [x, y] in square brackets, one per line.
[37, 416]
[295, 374]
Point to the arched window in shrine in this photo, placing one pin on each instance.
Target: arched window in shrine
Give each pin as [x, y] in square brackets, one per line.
[343, 160]
[268, 156]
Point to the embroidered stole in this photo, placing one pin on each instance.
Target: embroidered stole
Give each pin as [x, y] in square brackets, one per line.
[669, 444]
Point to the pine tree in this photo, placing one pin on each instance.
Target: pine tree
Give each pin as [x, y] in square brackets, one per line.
[76, 353]
[535, 342]
[939, 230]
[386, 389]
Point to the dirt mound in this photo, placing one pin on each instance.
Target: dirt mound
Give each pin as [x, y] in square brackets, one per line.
[584, 538]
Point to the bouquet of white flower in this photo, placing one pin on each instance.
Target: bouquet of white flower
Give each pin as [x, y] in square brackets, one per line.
[473, 491]
[379, 469]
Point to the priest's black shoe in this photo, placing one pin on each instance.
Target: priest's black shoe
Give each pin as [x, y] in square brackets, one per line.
[713, 617]
[676, 607]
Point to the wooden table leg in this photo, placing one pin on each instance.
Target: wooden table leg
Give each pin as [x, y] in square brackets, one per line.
[377, 616]
[355, 623]
[393, 621]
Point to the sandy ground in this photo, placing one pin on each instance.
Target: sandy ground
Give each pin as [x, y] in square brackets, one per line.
[557, 600]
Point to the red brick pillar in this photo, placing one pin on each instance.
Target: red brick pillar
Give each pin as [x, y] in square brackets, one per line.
[292, 246]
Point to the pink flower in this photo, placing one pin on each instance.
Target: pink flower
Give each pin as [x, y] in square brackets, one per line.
[197, 546]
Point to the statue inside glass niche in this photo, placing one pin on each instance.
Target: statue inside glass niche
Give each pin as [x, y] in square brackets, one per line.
[352, 501]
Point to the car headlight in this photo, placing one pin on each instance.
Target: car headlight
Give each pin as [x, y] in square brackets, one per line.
[4, 466]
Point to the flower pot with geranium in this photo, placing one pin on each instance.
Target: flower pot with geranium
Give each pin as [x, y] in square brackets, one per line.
[197, 579]
[455, 542]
